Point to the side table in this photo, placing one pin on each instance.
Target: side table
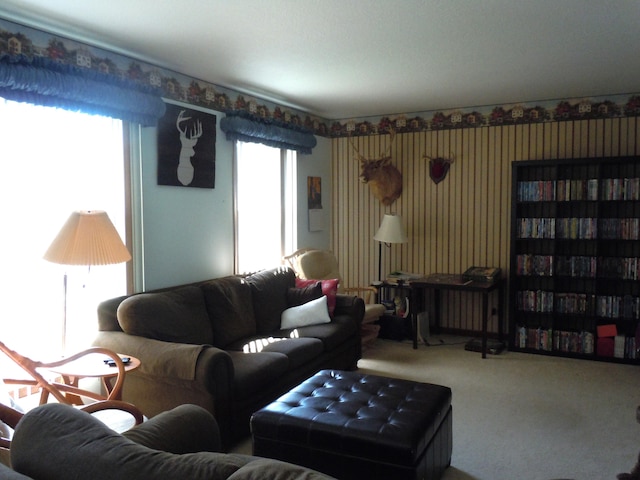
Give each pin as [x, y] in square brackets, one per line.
[94, 366]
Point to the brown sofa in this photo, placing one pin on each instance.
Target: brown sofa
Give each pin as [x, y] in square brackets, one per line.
[218, 344]
[58, 442]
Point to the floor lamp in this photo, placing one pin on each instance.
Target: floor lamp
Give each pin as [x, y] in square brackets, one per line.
[390, 231]
[87, 238]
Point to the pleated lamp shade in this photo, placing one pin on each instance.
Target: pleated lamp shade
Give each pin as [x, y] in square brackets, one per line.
[391, 230]
[88, 238]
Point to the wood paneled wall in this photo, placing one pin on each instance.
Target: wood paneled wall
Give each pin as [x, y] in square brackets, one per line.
[465, 219]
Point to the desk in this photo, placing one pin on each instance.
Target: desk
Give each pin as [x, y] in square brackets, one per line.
[93, 366]
[445, 281]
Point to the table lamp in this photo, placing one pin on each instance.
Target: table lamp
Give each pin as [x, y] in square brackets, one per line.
[87, 238]
[390, 231]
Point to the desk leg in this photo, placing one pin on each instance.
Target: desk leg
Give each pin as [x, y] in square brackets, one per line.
[415, 305]
[436, 310]
[501, 314]
[485, 320]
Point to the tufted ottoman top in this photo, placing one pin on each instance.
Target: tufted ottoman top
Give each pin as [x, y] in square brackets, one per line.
[386, 419]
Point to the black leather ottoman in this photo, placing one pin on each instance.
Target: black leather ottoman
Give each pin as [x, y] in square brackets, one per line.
[355, 426]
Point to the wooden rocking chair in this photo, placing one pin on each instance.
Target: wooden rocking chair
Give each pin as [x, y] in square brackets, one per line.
[64, 393]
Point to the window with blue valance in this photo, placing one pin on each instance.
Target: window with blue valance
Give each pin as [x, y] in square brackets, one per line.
[240, 125]
[42, 81]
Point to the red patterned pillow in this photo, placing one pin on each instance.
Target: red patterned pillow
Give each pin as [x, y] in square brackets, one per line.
[329, 288]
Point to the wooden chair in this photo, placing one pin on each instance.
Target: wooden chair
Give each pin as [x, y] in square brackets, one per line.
[64, 393]
[61, 391]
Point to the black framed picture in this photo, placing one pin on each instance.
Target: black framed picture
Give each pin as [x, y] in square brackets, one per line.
[187, 148]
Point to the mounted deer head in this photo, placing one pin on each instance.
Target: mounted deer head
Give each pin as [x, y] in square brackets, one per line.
[384, 179]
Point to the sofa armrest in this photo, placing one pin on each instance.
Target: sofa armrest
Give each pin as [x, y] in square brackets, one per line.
[204, 364]
[186, 428]
[350, 305]
[172, 374]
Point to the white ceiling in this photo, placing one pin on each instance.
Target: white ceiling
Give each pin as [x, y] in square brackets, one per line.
[344, 59]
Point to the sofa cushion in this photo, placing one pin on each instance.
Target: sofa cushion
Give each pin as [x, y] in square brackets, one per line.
[332, 334]
[300, 296]
[269, 296]
[329, 288]
[255, 371]
[176, 315]
[228, 302]
[310, 313]
[298, 350]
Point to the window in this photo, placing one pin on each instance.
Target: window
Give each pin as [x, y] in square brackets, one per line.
[54, 162]
[265, 181]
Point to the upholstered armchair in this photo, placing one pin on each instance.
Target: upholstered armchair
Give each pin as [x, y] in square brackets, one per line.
[319, 264]
[60, 442]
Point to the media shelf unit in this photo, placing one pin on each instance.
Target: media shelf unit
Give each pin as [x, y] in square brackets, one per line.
[574, 283]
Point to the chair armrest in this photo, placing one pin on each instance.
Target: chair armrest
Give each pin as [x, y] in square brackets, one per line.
[368, 294]
[350, 305]
[115, 405]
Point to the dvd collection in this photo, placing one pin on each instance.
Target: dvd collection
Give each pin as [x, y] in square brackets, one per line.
[576, 257]
[574, 228]
[604, 306]
[624, 268]
[581, 189]
[579, 342]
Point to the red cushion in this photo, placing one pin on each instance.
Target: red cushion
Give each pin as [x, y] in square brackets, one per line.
[329, 288]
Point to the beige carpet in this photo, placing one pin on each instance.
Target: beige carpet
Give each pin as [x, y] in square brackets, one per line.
[521, 416]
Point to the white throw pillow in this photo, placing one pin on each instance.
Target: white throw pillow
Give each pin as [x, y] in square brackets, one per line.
[310, 313]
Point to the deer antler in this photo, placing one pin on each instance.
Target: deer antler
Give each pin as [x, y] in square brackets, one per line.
[439, 159]
[359, 156]
[384, 158]
[392, 136]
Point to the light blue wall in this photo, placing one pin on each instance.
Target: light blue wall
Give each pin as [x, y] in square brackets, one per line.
[188, 232]
[318, 164]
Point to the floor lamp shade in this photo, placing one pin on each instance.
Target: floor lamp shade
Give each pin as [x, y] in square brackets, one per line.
[390, 231]
[88, 238]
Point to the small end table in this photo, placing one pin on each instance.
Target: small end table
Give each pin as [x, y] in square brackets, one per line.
[93, 366]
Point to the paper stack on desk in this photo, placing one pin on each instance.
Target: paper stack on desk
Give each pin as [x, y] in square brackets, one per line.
[402, 277]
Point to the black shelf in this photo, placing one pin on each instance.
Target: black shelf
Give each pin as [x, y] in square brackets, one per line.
[575, 258]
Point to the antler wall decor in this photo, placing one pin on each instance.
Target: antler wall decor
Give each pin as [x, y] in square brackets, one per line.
[438, 167]
[384, 179]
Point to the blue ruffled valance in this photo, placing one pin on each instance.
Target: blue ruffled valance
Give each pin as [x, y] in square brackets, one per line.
[239, 125]
[42, 81]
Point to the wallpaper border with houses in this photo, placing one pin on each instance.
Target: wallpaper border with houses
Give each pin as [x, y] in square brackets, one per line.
[16, 39]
